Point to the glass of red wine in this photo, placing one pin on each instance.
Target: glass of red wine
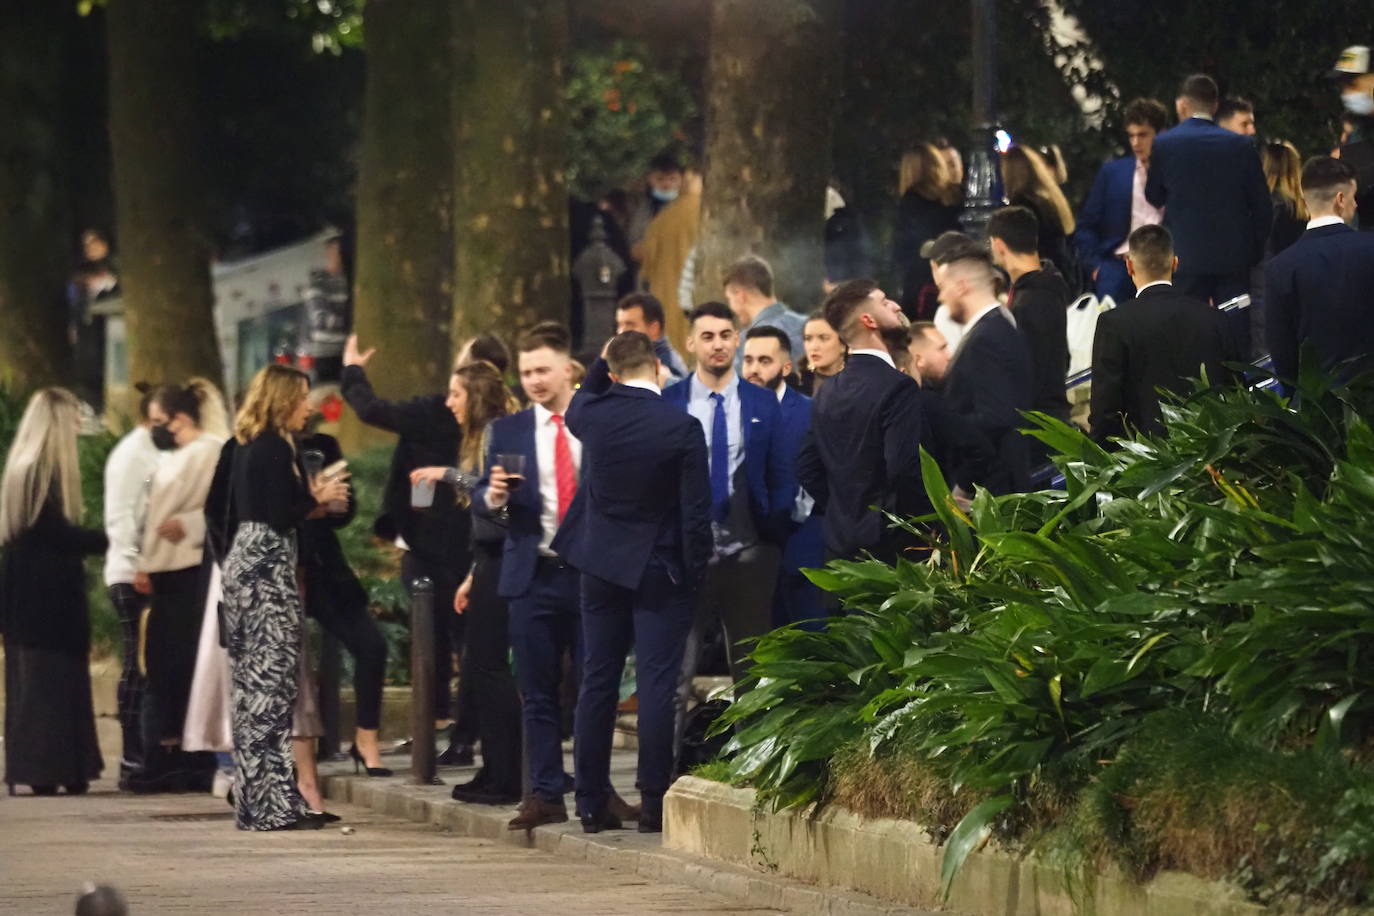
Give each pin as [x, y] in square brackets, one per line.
[514, 466]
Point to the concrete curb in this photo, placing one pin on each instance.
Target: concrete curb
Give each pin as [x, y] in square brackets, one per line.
[629, 851]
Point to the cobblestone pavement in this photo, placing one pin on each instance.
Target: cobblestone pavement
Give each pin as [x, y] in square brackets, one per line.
[181, 854]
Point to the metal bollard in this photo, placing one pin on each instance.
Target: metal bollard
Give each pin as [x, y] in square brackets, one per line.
[422, 763]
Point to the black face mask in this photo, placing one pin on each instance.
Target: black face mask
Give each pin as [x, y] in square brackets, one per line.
[163, 438]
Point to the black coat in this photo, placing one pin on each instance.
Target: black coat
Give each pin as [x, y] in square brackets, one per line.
[919, 219]
[43, 584]
[963, 453]
[1053, 243]
[429, 437]
[1321, 289]
[989, 383]
[863, 450]
[1039, 302]
[1159, 339]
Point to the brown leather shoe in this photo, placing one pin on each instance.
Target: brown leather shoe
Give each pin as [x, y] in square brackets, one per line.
[535, 812]
[619, 807]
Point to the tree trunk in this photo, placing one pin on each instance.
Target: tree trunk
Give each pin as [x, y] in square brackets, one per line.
[159, 191]
[404, 260]
[33, 236]
[769, 100]
[512, 247]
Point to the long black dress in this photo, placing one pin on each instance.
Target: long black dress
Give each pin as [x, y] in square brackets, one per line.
[50, 735]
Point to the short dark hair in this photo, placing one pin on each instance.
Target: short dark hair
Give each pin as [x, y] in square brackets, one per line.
[918, 332]
[1200, 88]
[665, 162]
[1017, 227]
[1323, 176]
[768, 330]
[1151, 249]
[750, 271]
[630, 352]
[844, 300]
[487, 347]
[1149, 112]
[1234, 106]
[176, 399]
[648, 304]
[549, 334]
[712, 310]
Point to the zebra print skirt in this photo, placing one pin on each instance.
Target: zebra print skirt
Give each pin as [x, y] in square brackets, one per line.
[262, 620]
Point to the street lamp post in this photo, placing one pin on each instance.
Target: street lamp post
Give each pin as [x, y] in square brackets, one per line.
[983, 174]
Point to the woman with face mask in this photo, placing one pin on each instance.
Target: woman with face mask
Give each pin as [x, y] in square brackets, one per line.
[188, 425]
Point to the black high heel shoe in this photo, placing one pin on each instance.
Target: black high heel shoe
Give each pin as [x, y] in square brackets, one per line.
[358, 762]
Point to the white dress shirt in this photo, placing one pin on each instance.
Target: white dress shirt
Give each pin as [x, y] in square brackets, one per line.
[643, 383]
[545, 434]
[128, 471]
[1320, 221]
[1155, 283]
[881, 354]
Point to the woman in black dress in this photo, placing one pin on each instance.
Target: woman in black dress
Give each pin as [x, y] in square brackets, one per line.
[930, 203]
[50, 738]
[262, 604]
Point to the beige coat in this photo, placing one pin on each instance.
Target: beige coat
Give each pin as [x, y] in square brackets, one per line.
[180, 486]
[667, 242]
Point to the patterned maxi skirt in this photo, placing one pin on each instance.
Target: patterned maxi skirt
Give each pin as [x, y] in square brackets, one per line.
[263, 618]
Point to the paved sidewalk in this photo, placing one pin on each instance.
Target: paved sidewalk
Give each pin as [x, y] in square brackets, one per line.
[181, 854]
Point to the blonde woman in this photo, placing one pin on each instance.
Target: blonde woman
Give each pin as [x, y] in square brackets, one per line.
[262, 605]
[930, 202]
[1029, 182]
[170, 572]
[50, 738]
[477, 395]
[1283, 174]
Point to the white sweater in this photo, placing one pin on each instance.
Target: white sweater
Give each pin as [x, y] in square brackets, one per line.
[127, 472]
[180, 486]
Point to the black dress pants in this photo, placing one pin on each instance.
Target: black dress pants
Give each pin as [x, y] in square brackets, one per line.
[341, 608]
[169, 652]
[488, 682]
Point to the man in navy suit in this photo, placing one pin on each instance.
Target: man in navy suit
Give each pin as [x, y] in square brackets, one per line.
[988, 381]
[1116, 205]
[863, 448]
[768, 364]
[1320, 289]
[640, 533]
[543, 591]
[1215, 199]
[753, 486]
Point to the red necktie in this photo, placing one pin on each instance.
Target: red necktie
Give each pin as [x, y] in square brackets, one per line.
[563, 468]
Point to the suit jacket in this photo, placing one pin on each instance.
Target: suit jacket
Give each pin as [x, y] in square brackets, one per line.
[429, 437]
[805, 546]
[523, 515]
[1321, 289]
[770, 470]
[626, 513]
[863, 450]
[1216, 203]
[1160, 339]
[1104, 223]
[989, 383]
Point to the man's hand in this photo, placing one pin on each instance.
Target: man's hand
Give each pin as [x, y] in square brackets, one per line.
[143, 584]
[171, 530]
[352, 356]
[498, 493]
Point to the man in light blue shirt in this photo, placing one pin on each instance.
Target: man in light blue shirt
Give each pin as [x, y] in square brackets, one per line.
[749, 291]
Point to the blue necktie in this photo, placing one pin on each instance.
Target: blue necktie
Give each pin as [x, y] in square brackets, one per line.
[720, 462]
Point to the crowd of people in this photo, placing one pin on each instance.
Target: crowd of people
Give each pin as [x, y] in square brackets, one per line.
[675, 487]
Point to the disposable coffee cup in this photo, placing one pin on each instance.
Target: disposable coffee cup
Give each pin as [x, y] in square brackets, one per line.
[422, 494]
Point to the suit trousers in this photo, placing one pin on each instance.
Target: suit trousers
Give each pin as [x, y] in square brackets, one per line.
[545, 623]
[172, 638]
[738, 593]
[654, 618]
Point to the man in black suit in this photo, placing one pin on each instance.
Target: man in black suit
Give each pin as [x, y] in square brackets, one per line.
[1216, 203]
[642, 547]
[863, 448]
[1038, 300]
[1160, 339]
[989, 380]
[1321, 288]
